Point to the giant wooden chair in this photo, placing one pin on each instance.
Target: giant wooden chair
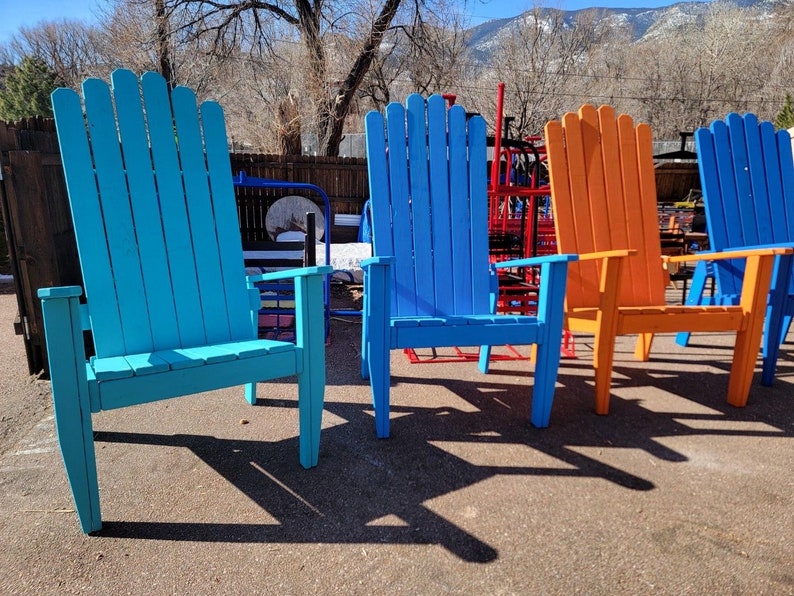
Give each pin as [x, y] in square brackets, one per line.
[150, 189]
[604, 198]
[429, 283]
[747, 176]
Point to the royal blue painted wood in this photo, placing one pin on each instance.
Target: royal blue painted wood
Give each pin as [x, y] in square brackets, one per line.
[168, 304]
[429, 283]
[747, 175]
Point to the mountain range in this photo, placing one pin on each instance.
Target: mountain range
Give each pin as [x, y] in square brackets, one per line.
[643, 22]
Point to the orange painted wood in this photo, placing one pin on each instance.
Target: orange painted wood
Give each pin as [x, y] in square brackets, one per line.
[603, 190]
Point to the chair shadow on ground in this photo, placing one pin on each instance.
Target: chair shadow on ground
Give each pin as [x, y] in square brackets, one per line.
[362, 480]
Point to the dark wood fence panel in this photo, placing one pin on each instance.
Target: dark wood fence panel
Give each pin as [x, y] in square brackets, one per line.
[674, 180]
[38, 225]
[344, 180]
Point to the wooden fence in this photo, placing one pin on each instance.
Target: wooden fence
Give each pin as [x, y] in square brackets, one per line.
[344, 180]
[674, 180]
[38, 225]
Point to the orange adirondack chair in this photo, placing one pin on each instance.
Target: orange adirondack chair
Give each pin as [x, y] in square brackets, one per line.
[604, 196]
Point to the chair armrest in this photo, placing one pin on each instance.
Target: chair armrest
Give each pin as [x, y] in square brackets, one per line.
[64, 322]
[535, 261]
[60, 292]
[384, 261]
[768, 250]
[608, 254]
[290, 273]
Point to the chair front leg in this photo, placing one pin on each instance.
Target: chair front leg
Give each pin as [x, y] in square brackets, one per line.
[71, 404]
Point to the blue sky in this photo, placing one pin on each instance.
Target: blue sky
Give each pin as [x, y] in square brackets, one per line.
[18, 13]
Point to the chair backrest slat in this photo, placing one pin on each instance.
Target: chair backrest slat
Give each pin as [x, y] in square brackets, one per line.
[405, 288]
[419, 182]
[179, 243]
[460, 223]
[146, 215]
[227, 225]
[478, 205]
[155, 217]
[88, 223]
[441, 215]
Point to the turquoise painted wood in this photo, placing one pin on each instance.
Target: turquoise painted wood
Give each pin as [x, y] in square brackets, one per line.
[747, 175]
[167, 300]
[429, 283]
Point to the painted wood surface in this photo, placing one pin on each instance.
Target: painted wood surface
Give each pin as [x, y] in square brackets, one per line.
[167, 301]
[604, 200]
[429, 283]
[747, 176]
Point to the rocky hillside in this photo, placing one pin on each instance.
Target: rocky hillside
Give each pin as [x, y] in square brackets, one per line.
[643, 22]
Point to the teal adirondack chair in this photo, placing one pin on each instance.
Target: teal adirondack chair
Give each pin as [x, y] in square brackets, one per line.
[428, 283]
[747, 175]
[167, 302]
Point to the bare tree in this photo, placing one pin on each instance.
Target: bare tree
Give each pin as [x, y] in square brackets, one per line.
[428, 55]
[544, 64]
[68, 47]
[315, 23]
[437, 56]
[697, 73]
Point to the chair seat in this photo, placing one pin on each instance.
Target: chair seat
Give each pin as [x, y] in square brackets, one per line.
[474, 330]
[662, 319]
[119, 367]
[124, 381]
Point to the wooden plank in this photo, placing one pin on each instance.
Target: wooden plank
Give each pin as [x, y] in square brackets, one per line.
[774, 169]
[460, 215]
[478, 205]
[657, 277]
[119, 229]
[383, 243]
[441, 216]
[181, 261]
[629, 212]
[405, 282]
[89, 225]
[563, 209]
[156, 278]
[202, 227]
[724, 216]
[29, 225]
[228, 232]
[419, 183]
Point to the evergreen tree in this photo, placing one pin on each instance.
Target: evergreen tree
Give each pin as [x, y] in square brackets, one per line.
[27, 91]
[785, 117]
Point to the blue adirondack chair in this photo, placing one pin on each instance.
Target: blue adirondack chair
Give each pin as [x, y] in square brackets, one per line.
[167, 302]
[428, 283]
[747, 175]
